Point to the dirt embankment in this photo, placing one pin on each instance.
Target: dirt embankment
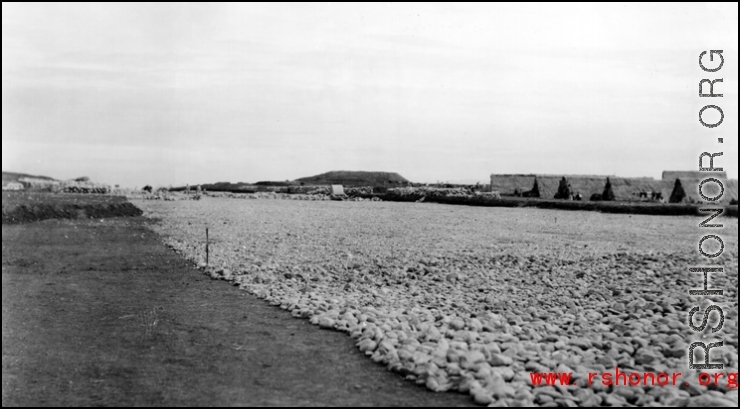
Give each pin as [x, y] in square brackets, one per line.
[24, 207]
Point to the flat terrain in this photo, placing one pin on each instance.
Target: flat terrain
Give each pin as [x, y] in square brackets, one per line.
[475, 298]
[101, 313]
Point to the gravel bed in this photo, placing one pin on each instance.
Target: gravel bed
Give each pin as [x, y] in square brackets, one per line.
[474, 299]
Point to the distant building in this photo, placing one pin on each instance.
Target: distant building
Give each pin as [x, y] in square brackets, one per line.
[685, 186]
[672, 175]
[511, 185]
[686, 190]
[337, 189]
[38, 183]
[13, 186]
[589, 187]
[641, 189]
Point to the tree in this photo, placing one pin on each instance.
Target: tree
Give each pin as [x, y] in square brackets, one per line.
[563, 190]
[608, 193]
[678, 194]
[147, 188]
[535, 192]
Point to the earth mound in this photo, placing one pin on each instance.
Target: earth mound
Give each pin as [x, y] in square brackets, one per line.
[9, 177]
[25, 207]
[355, 178]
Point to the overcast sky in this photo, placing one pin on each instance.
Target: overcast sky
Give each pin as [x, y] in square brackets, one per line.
[162, 94]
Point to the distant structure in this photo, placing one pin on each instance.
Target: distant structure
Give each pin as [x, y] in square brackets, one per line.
[674, 187]
[588, 187]
[13, 186]
[337, 189]
[686, 190]
[641, 189]
[38, 183]
[84, 185]
[672, 175]
[685, 186]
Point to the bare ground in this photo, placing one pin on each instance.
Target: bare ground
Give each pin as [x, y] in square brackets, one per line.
[101, 313]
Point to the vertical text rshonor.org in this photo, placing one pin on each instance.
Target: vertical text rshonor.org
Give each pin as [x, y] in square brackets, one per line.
[717, 60]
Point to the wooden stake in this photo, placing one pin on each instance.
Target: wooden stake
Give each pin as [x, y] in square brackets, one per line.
[206, 246]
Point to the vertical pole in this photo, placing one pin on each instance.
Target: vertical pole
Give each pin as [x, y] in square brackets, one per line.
[206, 246]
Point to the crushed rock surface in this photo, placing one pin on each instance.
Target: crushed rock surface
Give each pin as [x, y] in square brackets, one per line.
[474, 299]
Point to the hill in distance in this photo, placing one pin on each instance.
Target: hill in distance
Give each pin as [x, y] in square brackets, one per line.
[9, 177]
[342, 177]
[354, 178]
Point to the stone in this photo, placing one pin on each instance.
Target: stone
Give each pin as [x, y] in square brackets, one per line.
[565, 402]
[505, 372]
[710, 401]
[628, 393]
[676, 351]
[690, 383]
[581, 343]
[645, 356]
[549, 391]
[457, 324]
[645, 400]
[607, 361]
[482, 396]
[471, 358]
[614, 400]
[500, 360]
[503, 390]
[326, 323]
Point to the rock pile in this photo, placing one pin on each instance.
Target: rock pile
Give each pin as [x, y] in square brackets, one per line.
[13, 186]
[287, 196]
[355, 191]
[453, 306]
[39, 183]
[84, 186]
[441, 195]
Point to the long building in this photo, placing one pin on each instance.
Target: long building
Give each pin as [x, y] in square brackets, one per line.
[589, 187]
[686, 190]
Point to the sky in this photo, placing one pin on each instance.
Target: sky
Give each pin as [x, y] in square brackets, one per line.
[168, 94]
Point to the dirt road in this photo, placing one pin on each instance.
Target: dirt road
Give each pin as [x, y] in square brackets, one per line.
[101, 313]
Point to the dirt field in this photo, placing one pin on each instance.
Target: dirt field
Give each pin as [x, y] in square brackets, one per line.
[101, 313]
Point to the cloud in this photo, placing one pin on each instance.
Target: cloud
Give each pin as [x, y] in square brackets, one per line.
[282, 91]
